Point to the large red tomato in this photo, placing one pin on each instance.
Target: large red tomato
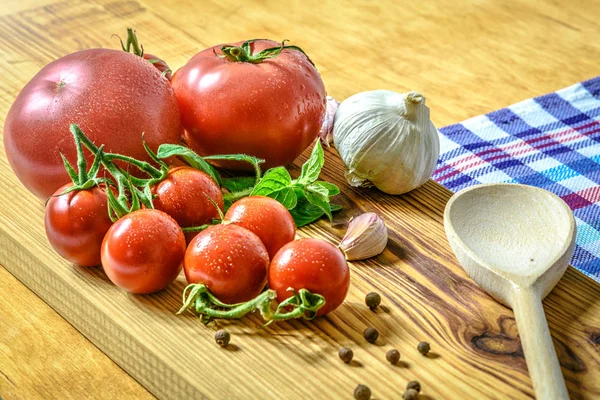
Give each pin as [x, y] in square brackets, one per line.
[272, 109]
[112, 95]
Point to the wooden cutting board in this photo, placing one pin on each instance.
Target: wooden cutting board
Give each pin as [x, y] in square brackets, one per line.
[476, 351]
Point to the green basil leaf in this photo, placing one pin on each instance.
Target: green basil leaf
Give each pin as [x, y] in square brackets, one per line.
[331, 188]
[285, 196]
[274, 179]
[226, 204]
[312, 167]
[335, 207]
[239, 184]
[319, 200]
[305, 213]
[276, 183]
[318, 189]
[193, 159]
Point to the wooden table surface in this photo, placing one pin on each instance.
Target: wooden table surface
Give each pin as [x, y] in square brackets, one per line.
[467, 57]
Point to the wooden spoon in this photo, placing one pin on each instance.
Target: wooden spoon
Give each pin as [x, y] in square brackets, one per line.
[516, 241]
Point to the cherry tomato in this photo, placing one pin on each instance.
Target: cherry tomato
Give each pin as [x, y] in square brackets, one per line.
[311, 264]
[76, 223]
[266, 218]
[112, 95]
[183, 195]
[272, 109]
[143, 251]
[230, 260]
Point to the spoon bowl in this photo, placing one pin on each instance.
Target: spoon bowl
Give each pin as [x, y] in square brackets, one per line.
[515, 241]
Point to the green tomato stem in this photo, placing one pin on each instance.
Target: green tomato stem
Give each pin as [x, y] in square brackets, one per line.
[244, 53]
[141, 165]
[132, 40]
[238, 195]
[198, 297]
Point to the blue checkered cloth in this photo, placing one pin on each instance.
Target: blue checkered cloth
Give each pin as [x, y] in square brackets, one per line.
[551, 141]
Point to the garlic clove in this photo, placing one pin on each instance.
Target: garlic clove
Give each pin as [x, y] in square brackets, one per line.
[366, 237]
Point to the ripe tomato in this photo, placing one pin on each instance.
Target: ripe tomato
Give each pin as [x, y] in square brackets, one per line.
[272, 109]
[112, 95]
[76, 223]
[311, 264]
[143, 251]
[230, 260]
[183, 195]
[266, 218]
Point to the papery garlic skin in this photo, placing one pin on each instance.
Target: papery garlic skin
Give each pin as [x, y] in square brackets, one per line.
[366, 237]
[326, 131]
[386, 139]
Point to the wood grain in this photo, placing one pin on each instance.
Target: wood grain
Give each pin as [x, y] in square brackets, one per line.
[466, 58]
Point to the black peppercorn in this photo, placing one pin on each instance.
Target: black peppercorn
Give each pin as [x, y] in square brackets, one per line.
[346, 354]
[423, 348]
[222, 338]
[371, 335]
[372, 300]
[362, 392]
[393, 356]
[410, 394]
[414, 385]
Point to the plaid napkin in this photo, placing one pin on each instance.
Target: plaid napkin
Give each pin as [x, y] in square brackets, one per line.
[551, 141]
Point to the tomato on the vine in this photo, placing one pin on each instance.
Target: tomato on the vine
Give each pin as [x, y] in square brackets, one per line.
[76, 223]
[239, 99]
[112, 95]
[184, 195]
[311, 264]
[143, 251]
[266, 218]
[230, 260]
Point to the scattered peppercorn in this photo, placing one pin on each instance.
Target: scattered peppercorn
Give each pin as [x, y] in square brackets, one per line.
[372, 300]
[346, 354]
[393, 356]
[362, 392]
[222, 338]
[414, 385]
[371, 335]
[410, 394]
[423, 348]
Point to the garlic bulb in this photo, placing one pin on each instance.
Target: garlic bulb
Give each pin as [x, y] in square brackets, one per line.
[386, 139]
[366, 237]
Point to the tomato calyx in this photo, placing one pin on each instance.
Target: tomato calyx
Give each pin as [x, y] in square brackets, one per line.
[243, 53]
[198, 297]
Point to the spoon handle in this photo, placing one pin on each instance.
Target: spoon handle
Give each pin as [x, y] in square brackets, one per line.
[542, 363]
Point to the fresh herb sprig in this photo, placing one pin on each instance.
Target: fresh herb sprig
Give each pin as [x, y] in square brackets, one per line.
[307, 198]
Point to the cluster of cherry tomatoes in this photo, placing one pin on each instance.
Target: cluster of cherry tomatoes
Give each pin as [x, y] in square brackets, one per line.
[144, 251]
